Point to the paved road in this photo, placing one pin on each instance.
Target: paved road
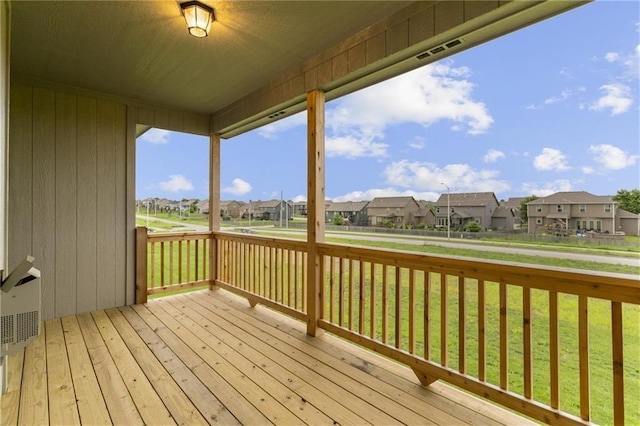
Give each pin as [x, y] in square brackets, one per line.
[177, 224]
[441, 242]
[481, 246]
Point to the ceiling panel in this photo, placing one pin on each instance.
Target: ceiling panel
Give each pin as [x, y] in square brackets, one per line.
[141, 49]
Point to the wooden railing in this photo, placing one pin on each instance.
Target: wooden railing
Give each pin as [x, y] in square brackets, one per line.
[518, 336]
[265, 270]
[172, 261]
[472, 324]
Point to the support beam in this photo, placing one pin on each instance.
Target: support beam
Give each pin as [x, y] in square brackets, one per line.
[214, 204]
[315, 207]
[141, 265]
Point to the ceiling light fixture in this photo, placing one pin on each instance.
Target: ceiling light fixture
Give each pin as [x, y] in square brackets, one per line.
[198, 17]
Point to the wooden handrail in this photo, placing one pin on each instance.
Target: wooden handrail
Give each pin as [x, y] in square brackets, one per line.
[405, 282]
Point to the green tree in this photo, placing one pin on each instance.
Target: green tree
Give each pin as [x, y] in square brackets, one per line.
[338, 220]
[523, 208]
[472, 226]
[628, 200]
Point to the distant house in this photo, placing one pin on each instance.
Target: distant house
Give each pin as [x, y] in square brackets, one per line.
[231, 208]
[426, 214]
[353, 212]
[506, 217]
[397, 210]
[466, 207]
[580, 211]
[203, 207]
[271, 210]
[299, 208]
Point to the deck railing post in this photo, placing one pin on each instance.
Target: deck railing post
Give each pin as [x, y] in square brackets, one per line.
[141, 265]
[214, 205]
[315, 207]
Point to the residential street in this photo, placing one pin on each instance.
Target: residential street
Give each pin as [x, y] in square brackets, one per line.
[453, 243]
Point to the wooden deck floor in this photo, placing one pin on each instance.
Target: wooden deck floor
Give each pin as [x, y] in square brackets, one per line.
[207, 357]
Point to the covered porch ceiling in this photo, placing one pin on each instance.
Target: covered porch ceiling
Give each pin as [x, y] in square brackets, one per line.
[141, 51]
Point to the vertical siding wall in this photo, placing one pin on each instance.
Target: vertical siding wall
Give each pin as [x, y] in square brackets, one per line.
[67, 196]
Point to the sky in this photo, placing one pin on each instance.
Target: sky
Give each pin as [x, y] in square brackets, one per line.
[552, 107]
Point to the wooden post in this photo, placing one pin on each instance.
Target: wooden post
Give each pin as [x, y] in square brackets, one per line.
[214, 205]
[141, 265]
[315, 207]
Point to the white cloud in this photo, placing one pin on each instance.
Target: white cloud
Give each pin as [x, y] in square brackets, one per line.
[588, 170]
[611, 56]
[352, 147]
[611, 157]
[629, 61]
[426, 176]
[176, 183]
[564, 72]
[562, 97]
[238, 187]
[155, 136]
[551, 159]
[424, 96]
[356, 123]
[418, 142]
[493, 155]
[548, 188]
[299, 198]
[617, 98]
[370, 194]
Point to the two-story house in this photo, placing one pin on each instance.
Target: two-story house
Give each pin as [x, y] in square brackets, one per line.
[466, 207]
[353, 212]
[580, 211]
[271, 210]
[231, 208]
[398, 210]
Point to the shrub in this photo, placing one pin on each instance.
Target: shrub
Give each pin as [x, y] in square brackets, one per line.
[472, 227]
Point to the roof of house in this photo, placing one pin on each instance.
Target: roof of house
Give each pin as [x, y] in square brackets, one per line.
[347, 206]
[621, 213]
[514, 202]
[391, 202]
[572, 197]
[504, 211]
[468, 199]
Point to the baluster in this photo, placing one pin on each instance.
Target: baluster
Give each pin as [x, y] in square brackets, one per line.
[152, 265]
[171, 262]
[583, 346]
[427, 314]
[482, 336]
[618, 363]
[554, 350]
[526, 337]
[462, 327]
[162, 256]
[504, 338]
[385, 305]
[372, 304]
[444, 307]
[361, 300]
[197, 260]
[398, 308]
[412, 311]
[350, 301]
[331, 288]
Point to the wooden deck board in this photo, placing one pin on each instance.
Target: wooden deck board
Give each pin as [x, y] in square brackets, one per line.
[206, 357]
[62, 399]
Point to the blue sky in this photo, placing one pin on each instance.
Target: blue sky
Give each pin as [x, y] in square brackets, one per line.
[552, 107]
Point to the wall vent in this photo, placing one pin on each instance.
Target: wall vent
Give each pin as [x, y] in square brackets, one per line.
[440, 49]
[276, 114]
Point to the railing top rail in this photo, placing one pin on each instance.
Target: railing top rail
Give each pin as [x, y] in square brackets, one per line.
[286, 243]
[178, 236]
[608, 286]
